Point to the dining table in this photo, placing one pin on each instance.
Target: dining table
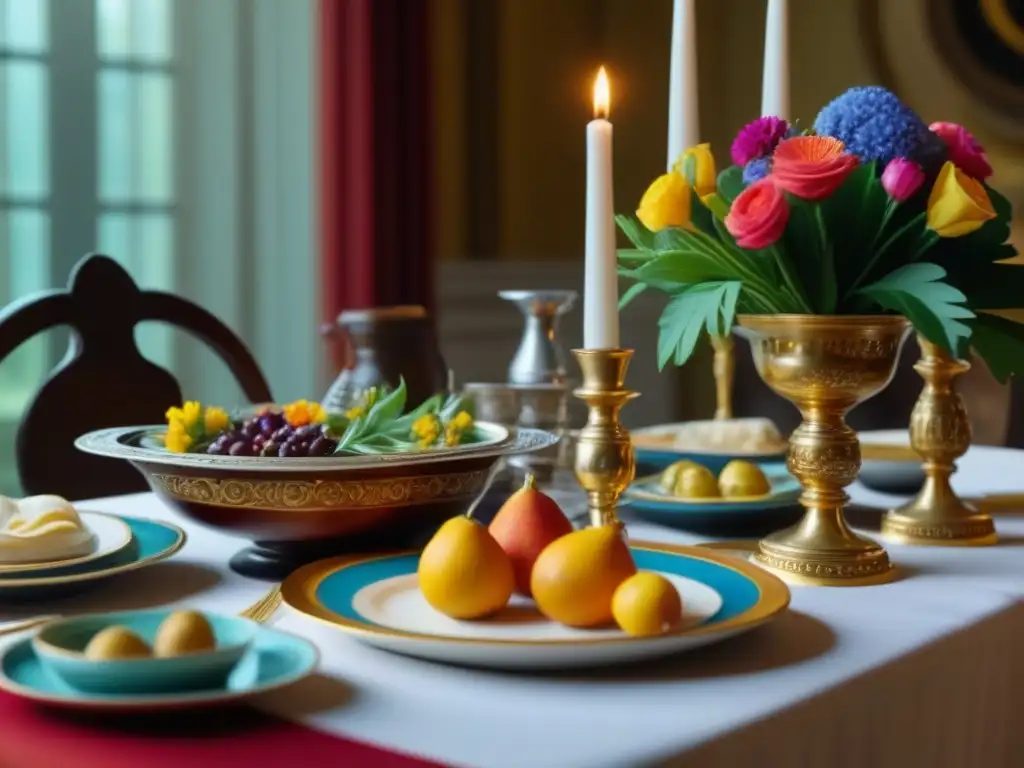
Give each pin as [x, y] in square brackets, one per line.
[927, 670]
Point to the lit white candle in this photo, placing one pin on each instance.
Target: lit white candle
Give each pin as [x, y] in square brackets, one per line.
[601, 284]
[775, 82]
[683, 116]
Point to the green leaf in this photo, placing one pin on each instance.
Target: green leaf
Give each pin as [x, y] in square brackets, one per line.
[688, 314]
[811, 260]
[701, 216]
[690, 169]
[730, 183]
[638, 234]
[631, 293]
[632, 258]
[1000, 343]
[385, 410]
[933, 307]
[718, 206]
[403, 424]
[685, 266]
[854, 214]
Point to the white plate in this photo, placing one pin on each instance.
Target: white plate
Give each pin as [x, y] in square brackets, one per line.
[376, 599]
[112, 534]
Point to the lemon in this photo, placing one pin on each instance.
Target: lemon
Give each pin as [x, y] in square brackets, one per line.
[463, 572]
[575, 576]
[743, 478]
[647, 604]
[670, 476]
[183, 632]
[116, 643]
[696, 482]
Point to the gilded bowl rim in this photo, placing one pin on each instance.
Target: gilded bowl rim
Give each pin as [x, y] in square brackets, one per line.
[112, 443]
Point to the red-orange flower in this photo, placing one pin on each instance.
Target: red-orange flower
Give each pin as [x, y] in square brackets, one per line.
[758, 215]
[811, 167]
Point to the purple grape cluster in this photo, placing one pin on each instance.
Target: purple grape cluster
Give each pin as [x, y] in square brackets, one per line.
[270, 435]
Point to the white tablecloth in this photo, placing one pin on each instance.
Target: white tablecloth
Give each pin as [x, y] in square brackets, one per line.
[926, 671]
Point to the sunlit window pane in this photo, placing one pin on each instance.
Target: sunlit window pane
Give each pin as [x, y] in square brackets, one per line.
[114, 238]
[23, 92]
[23, 25]
[115, 134]
[26, 270]
[151, 30]
[154, 143]
[113, 28]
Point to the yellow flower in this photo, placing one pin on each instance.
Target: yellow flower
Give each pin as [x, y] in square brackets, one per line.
[303, 412]
[174, 413]
[958, 204]
[215, 419]
[666, 203]
[192, 412]
[354, 413]
[705, 175]
[426, 429]
[177, 439]
[457, 427]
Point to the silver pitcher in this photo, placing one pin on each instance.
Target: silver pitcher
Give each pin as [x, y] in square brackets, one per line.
[540, 358]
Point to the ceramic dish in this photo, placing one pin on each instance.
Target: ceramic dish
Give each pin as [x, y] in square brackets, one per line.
[60, 648]
[376, 599]
[274, 660]
[297, 510]
[112, 535]
[646, 499]
[152, 541]
[888, 463]
[653, 455]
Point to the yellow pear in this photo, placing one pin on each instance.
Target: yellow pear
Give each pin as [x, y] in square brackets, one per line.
[696, 482]
[647, 604]
[463, 572]
[116, 643]
[670, 476]
[575, 576]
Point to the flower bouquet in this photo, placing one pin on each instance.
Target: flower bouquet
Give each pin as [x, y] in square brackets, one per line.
[870, 211]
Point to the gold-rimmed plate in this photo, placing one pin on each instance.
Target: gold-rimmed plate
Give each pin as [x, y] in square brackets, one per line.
[376, 600]
[111, 533]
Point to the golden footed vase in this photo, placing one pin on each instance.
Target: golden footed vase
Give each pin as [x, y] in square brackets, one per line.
[825, 365]
[940, 433]
[605, 463]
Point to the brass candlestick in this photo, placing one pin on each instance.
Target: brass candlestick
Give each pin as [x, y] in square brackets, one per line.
[725, 371]
[605, 464]
[940, 433]
[825, 365]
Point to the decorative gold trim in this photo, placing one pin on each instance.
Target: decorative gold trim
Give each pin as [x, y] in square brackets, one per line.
[976, 531]
[320, 494]
[299, 593]
[179, 542]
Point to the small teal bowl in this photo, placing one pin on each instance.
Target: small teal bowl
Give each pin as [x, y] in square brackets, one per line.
[61, 645]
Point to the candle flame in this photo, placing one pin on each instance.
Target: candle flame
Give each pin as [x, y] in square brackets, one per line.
[602, 94]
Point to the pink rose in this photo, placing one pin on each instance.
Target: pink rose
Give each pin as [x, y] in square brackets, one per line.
[902, 178]
[811, 167]
[758, 216]
[964, 150]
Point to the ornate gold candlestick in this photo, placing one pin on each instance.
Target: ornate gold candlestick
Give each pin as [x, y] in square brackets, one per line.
[605, 465]
[725, 371]
[940, 433]
[825, 365]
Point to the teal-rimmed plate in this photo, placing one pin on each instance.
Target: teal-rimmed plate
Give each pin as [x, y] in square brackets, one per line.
[152, 541]
[646, 499]
[656, 448]
[274, 660]
[376, 599]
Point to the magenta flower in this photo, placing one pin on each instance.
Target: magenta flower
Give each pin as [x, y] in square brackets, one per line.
[902, 178]
[758, 139]
[964, 150]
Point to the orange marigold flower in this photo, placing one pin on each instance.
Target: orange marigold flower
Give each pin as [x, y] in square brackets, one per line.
[303, 412]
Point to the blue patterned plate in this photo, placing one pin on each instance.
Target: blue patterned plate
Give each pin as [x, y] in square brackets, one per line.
[275, 659]
[152, 541]
[376, 599]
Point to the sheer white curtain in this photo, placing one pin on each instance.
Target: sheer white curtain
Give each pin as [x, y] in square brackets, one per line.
[177, 136]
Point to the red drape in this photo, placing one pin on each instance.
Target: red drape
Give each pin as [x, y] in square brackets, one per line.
[375, 144]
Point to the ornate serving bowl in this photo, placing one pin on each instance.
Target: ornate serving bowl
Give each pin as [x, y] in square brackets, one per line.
[296, 510]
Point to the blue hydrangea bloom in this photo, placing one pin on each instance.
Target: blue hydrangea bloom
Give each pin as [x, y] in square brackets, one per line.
[756, 170]
[875, 125]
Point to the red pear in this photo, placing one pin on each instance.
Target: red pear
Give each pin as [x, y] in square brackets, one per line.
[524, 526]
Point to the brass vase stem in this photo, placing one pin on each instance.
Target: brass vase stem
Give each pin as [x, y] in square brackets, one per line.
[940, 433]
[605, 464]
[725, 371]
[825, 365]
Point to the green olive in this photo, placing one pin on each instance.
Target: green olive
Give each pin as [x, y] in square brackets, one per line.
[696, 482]
[743, 478]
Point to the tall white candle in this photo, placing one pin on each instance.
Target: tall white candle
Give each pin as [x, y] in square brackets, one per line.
[601, 285]
[775, 82]
[683, 115]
